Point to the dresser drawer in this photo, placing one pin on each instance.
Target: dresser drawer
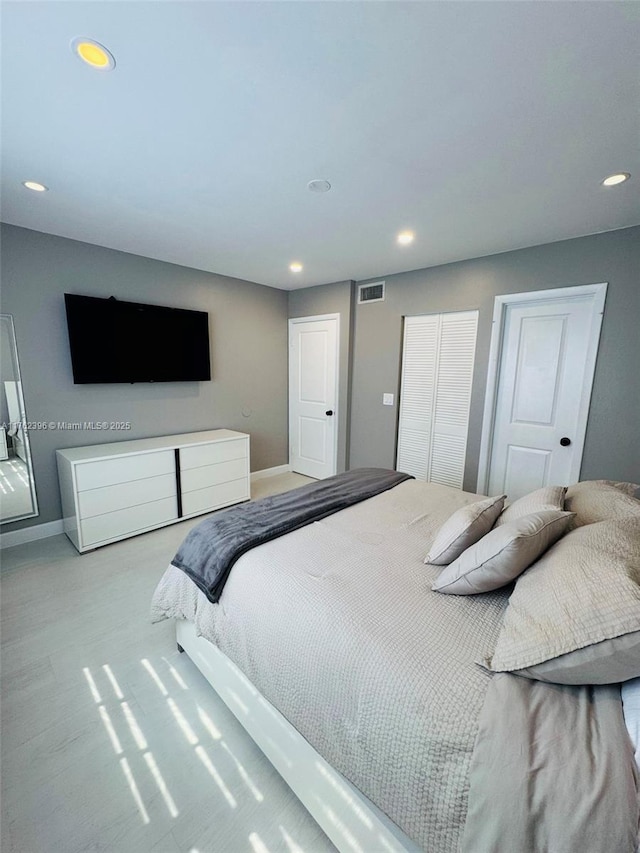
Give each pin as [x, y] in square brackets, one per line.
[126, 522]
[123, 469]
[212, 475]
[214, 496]
[110, 498]
[210, 454]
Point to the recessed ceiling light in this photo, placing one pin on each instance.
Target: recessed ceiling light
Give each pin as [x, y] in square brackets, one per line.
[94, 54]
[614, 180]
[35, 186]
[319, 186]
[405, 237]
[296, 266]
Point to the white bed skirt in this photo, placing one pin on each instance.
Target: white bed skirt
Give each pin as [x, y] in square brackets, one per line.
[352, 822]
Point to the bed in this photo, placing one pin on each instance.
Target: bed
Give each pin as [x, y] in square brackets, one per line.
[375, 697]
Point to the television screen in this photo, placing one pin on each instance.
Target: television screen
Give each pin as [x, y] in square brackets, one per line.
[114, 341]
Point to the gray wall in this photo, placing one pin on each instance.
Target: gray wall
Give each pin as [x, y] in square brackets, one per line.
[248, 328]
[612, 448]
[334, 298]
[249, 348]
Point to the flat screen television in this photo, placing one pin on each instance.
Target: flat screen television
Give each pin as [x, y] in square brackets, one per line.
[115, 341]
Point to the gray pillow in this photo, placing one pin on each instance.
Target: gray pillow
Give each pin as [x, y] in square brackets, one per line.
[463, 528]
[607, 662]
[601, 500]
[503, 554]
[574, 617]
[548, 497]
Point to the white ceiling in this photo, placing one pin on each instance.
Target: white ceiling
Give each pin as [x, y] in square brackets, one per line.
[482, 126]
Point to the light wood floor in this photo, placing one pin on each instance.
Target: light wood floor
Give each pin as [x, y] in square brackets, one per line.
[111, 740]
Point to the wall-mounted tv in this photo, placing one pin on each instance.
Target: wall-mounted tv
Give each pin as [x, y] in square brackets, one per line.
[115, 341]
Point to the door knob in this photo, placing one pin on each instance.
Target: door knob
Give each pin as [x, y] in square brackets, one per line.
[565, 442]
[329, 412]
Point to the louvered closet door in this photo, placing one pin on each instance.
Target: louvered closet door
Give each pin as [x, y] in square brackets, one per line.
[435, 395]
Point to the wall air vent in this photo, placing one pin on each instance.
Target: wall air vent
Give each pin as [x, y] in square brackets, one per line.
[373, 292]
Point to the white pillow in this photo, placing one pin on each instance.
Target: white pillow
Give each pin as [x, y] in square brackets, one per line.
[503, 554]
[548, 497]
[463, 528]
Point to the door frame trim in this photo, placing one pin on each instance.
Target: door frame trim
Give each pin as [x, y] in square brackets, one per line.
[316, 318]
[598, 293]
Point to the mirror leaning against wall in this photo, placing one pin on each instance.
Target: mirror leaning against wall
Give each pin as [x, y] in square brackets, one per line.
[17, 485]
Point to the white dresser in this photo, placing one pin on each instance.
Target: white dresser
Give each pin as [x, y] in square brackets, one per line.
[112, 491]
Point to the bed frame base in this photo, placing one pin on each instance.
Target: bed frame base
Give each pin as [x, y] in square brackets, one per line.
[352, 822]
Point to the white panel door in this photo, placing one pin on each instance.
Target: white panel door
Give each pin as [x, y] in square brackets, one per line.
[313, 393]
[435, 395]
[544, 373]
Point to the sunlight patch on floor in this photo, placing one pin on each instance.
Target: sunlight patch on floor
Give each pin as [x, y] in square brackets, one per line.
[136, 731]
[138, 737]
[112, 721]
[113, 737]
[244, 775]
[6, 485]
[162, 786]
[293, 846]
[203, 756]
[257, 843]
[181, 720]
[114, 683]
[134, 790]
[208, 723]
[176, 675]
[92, 685]
[145, 663]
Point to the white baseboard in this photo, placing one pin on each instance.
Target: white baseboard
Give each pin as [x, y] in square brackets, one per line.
[31, 534]
[270, 472]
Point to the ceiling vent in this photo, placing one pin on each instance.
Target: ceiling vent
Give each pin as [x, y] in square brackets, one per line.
[371, 292]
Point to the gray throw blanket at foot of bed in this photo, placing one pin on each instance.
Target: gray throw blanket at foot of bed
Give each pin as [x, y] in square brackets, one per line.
[210, 549]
